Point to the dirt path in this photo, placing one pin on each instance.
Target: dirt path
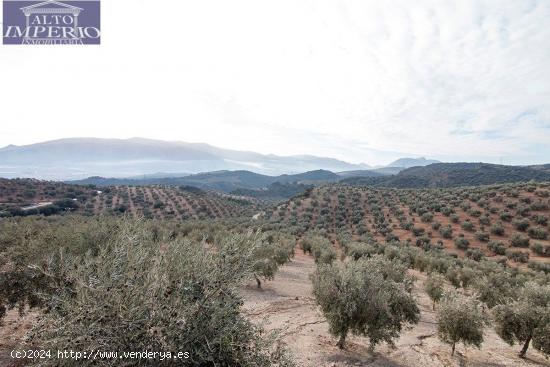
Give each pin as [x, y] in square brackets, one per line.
[287, 304]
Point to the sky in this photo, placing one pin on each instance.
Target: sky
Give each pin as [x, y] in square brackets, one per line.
[363, 81]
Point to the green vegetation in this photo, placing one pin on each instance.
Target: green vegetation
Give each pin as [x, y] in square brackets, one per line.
[270, 252]
[106, 276]
[526, 319]
[356, 298]
[460, 320]
[435, 286]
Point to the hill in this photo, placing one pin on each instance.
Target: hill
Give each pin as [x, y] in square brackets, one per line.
[22, 197]
[226, 181]
[454, 175]
[488, 217]
[73, 158]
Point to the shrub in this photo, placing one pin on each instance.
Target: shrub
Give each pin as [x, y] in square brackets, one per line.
[517, 256]
[418, 231]
[540, 220]
[506, 216]
[497, 229]
[521, 224]
[539, 266]
[462, 243]
[482, 236]
[427, 217]
[526, 319]
[460, 319]
[446, 232]
[538, 233]
[485, 220]
[475, 254]
[498, 248]
[467, 226]
[519, 240]
[540, 249]
[356, 299]
[454, 218]
[446, 211]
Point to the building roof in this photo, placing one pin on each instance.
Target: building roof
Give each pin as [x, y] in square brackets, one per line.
[51, 2]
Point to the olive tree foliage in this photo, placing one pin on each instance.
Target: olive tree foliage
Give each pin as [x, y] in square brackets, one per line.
[271, 251]
[319, 247]
[43, 243]
[355, 297]
[179, 295]
[526, 319]
[435, 286]
[460, 320]
[496, 288]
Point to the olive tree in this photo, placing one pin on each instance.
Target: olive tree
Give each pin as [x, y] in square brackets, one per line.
[435, 285]
[179, 296]
[526, 319]
[460, 319]
[356, 298]
[496, 288]
[322, 250]
[270, 252]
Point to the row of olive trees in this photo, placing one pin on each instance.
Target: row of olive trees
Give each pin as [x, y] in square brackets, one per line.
[525, 320]
[357, 294]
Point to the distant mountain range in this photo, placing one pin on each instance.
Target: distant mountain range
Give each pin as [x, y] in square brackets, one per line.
[83, 157]
[78, 158]
[140, 161]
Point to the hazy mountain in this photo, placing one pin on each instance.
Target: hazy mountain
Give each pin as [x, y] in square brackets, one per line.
[360, 173]
[386, 171]
[455, 174]
[84, 157]
[221, 180]
[412, 162]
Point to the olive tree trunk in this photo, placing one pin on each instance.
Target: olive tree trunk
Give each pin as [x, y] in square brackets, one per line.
[258, 281]
[525, 347]
[342, 342]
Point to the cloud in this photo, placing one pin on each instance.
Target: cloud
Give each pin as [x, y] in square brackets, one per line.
[360, 80]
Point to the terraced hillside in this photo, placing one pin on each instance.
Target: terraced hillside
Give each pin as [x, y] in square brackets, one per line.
[170, 202]
[22, 192]
[506, 222]
[27, 197]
